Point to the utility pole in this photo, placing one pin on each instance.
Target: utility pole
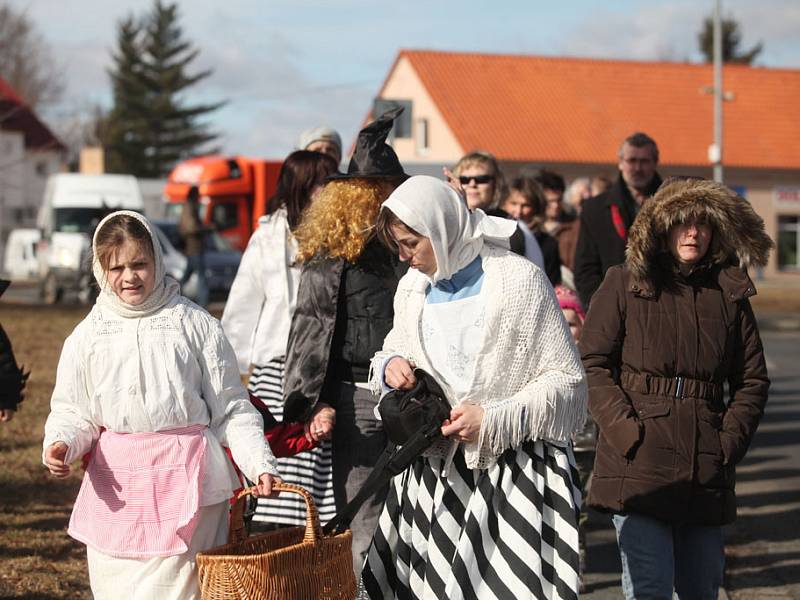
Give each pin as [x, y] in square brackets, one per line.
[715, 152]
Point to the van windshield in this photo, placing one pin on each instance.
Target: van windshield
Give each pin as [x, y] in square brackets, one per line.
[78, 220]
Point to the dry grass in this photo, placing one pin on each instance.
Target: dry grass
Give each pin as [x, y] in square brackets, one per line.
[39, 559]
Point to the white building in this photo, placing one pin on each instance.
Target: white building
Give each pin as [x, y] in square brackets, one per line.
[29, 152]
[571, 114]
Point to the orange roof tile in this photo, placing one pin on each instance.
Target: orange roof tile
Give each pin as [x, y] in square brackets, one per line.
[531, 108]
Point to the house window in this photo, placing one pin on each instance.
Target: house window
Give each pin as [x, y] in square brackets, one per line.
[421, 136]
[402, 124]
[789, 243]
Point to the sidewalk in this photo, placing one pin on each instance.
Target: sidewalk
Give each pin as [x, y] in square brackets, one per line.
[778, 321]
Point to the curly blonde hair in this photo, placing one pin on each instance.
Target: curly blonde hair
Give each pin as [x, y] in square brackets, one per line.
[338, 222]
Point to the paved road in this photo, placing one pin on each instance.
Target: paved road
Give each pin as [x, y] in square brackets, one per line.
[763, 545]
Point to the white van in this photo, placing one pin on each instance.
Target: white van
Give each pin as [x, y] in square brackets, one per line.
[73, 205]
[19, 259]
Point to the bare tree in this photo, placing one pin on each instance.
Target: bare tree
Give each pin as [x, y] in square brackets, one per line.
[26, 61]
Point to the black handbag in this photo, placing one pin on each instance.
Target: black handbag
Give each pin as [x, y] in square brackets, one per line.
[412, 420]
[406, 412]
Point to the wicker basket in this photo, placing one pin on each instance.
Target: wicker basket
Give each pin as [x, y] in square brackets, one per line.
[294, 563]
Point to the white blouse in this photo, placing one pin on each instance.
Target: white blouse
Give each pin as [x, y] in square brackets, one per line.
[262, 299]
[168, 370]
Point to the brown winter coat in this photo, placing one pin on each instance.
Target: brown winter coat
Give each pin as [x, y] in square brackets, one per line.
[658, 348]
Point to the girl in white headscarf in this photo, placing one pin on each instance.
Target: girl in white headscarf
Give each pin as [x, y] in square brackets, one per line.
[491, 510]
[148, 384]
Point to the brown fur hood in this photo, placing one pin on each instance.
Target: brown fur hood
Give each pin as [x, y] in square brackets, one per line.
[739, 236]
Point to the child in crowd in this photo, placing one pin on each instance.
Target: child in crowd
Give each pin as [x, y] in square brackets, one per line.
[148, 383]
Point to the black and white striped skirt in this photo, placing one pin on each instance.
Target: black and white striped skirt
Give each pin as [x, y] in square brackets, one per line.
[312, 470]
[509, 531]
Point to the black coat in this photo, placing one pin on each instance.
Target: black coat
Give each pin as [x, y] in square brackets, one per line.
[599, 245]
[11, 379]
[551, 256]
[343, 313]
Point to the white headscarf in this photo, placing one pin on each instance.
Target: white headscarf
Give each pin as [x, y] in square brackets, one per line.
[166, 287]
[432, 208]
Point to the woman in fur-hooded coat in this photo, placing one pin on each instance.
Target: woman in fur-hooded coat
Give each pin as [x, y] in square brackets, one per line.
[661, 339]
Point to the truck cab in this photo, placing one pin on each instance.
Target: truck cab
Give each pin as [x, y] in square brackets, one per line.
[234, 191]
[73, 206]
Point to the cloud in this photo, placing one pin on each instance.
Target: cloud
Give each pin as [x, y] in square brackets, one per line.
[668, 31]
[285, 65]
[271, 129]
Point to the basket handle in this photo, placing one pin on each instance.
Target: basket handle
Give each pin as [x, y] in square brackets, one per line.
[237, 530]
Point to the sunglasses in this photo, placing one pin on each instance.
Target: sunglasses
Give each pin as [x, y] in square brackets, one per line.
[479, 179]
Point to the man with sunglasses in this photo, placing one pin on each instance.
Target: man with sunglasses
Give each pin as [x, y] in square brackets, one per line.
[605, 219]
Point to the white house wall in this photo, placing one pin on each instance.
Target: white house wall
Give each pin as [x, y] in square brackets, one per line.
[404, 84]
[23, 174]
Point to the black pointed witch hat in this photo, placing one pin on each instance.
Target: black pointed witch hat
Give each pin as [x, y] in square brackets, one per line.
[373, 157]
[4, 283]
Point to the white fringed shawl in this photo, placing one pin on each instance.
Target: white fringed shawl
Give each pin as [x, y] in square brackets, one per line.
[528, 379]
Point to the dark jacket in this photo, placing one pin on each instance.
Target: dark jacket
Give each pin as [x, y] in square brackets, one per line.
[516, 242]
[551, 256]
[12, 380]
[600, 245]
[658, 348]
[343, 313]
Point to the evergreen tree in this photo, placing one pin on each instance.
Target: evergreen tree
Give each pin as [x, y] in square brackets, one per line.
[731, 38]
[123, 130]
[150, 126]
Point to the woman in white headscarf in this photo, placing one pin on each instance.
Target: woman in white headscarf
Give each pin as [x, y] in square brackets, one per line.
[148, 384]
[491, 510]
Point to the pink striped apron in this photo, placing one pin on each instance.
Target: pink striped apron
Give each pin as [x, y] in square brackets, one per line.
[140, 496]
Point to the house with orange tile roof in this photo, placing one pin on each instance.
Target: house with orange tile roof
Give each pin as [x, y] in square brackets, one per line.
[571, 114]
[29, 152]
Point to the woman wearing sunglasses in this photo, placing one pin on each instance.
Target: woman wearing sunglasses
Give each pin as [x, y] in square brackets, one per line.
[477, 177]
[490, 511]
[480, 177]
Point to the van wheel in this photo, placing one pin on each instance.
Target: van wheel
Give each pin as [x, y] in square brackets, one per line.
[88, 291]
[50, 290]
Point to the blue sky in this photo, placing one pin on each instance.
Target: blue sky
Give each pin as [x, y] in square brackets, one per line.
[285, 65]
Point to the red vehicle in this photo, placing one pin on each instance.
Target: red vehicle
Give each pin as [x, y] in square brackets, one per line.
[234, 191]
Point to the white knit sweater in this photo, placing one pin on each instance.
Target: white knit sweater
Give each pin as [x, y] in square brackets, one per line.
[528, 378]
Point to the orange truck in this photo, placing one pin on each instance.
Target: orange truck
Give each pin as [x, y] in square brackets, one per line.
[234, 191]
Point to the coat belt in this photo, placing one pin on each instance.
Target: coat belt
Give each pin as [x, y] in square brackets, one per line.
[675, 387]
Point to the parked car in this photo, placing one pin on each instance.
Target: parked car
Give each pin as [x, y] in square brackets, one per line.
[19, 260]
[222, 261]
